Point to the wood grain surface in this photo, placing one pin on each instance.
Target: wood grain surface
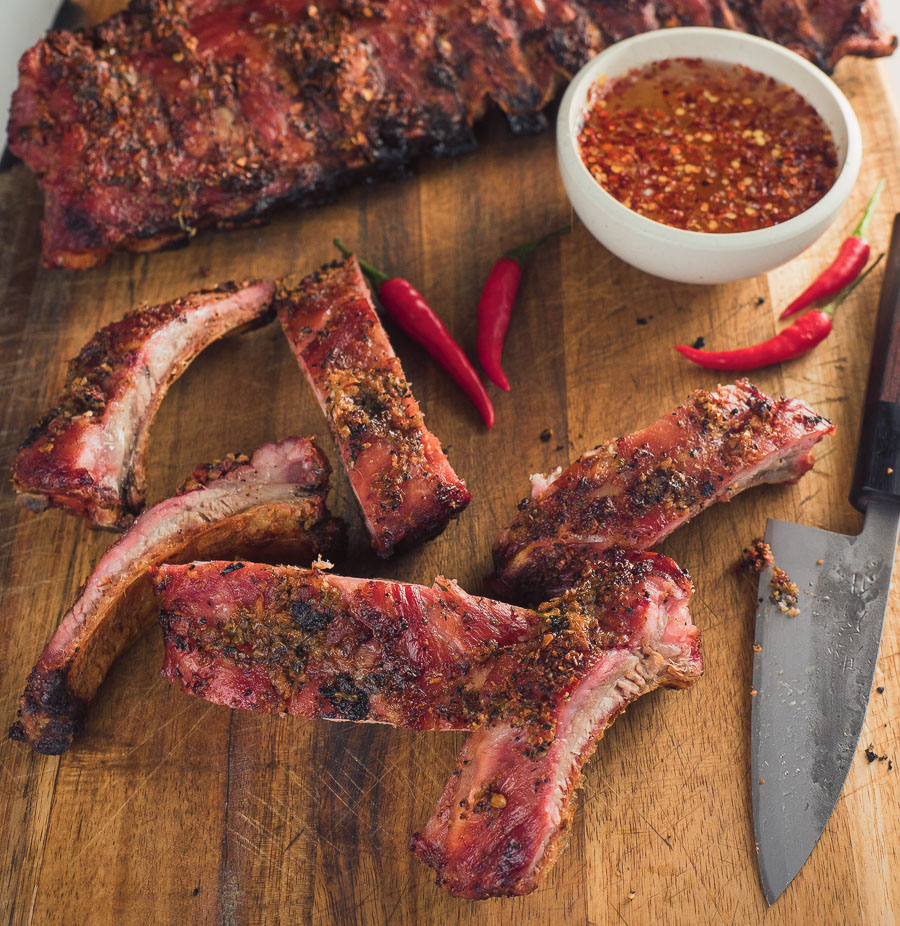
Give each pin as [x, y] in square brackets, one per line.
[169, 808]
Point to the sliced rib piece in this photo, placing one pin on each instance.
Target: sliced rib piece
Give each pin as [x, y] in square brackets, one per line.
[501, 819]
[401, 477]
[304, 642]
[86, 455]
[635, 490]
[272, 504]
[172, 115]
[538, 686]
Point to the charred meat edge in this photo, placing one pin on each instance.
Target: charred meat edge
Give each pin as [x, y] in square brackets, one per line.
[272, 504]
[402, 479]
[86, 454]
[634, 491]
[171, 116]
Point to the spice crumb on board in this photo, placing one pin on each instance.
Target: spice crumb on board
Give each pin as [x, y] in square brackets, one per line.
[546, 435]
[784, 592]
[880, 689]
[699, 343]
[754, 557]
[873, 756]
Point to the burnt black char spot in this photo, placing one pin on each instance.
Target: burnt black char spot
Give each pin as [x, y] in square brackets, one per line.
[48, 697]
[307, 616]
[346, 699]
[558, 623]
[82, 228]
[510, 863]
[526, 123]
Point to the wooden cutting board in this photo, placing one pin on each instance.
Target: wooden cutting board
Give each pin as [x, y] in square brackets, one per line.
[169, 808]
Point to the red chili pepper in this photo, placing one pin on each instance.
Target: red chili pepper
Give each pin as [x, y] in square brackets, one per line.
[846, 267]
[797, 339]
[496, 304]
[408, 308]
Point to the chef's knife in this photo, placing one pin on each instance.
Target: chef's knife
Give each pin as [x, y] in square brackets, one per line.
[813, 672]
[23, 25]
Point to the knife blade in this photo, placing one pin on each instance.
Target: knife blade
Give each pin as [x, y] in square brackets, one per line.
[813, 671]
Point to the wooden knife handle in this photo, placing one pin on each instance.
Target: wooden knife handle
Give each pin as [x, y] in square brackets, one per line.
[877, 472]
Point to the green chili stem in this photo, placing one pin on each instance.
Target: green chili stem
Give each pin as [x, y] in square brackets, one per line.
[863, 227]
[377, 276]
[829, 309]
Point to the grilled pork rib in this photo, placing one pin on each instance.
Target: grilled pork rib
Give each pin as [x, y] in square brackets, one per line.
[539, 687]
[174, 115]
[503, 814]
[635, 490]
[308, 643]
[86, 455]
[405, 486]
[288, 640]
[270, 505]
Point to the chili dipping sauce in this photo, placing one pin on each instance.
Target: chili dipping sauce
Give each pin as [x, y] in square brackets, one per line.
[706, 146]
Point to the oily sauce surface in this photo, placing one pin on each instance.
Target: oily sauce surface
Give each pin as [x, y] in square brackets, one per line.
[706, 146]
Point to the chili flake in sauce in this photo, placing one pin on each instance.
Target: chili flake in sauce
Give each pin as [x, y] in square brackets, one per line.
[706, 146]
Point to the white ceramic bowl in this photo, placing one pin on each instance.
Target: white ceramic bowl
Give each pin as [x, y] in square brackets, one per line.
[689, 256]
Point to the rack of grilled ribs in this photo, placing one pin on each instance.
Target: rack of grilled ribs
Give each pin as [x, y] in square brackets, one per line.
[633, 491]
[539, 687]
[174, 115]
[86, 455]
[405, 486]
[271, 505]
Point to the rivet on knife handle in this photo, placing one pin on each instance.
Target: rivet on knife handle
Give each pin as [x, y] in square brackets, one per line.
[877, 473]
